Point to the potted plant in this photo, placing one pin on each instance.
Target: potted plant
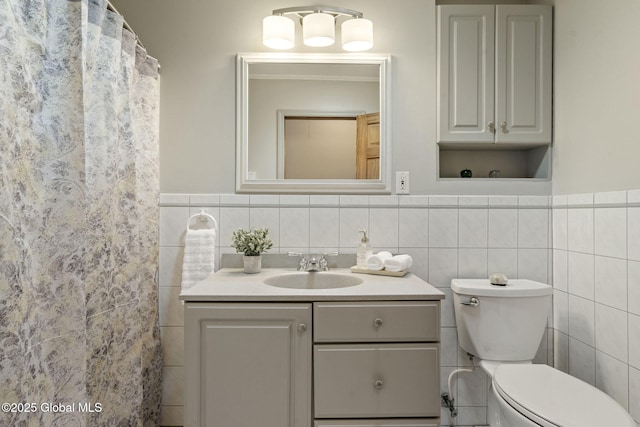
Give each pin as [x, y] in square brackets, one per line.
[252, 244]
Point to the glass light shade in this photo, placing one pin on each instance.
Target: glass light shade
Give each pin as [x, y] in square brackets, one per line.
[318, 29]
[357, 35]
[278, 32]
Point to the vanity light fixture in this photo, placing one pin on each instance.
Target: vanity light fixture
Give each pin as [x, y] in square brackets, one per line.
[318, 28]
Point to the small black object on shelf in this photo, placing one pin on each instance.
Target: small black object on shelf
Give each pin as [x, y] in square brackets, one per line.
[466, 173]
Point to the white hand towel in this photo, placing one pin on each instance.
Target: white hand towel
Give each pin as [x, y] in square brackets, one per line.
[398, 263]
[199, 256]
[376, 262]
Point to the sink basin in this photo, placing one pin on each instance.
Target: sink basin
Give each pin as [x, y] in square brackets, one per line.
[313, 280]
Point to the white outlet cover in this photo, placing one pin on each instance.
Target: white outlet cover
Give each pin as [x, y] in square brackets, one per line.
[402, 182]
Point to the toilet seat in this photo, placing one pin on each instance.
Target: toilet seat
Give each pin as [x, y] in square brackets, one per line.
[552, 398]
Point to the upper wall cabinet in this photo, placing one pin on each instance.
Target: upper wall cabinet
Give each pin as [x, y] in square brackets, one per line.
[494, 74]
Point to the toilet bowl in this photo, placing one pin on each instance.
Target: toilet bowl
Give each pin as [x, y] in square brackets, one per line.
[503, 326]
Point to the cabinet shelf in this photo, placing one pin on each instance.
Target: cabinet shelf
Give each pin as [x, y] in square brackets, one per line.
[532, 163]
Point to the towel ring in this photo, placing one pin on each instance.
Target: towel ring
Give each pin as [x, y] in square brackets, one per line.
[204, 217]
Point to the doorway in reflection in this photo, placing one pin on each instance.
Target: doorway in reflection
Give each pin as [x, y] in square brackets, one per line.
[319, 147]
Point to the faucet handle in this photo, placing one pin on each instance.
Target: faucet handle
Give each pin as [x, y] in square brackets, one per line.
[323, 262]
[302, 261]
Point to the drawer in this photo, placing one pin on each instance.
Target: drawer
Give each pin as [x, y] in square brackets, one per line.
[376, 321]
[376, 380]
[414, 422]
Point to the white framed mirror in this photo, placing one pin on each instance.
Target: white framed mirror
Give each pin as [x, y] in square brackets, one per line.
[286, 98]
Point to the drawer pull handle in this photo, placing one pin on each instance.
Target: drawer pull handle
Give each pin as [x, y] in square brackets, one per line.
[378, 384]
[377, 322]
[302, 327]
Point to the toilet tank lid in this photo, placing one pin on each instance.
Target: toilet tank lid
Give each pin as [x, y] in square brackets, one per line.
[514, 288]
[556, 398]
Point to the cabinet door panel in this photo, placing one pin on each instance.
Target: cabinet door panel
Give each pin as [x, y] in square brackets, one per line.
[248, 364]
[371, 380]
[523, 73]
[465, 74]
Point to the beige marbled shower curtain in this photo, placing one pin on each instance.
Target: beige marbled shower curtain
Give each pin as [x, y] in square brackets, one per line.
[79, 337]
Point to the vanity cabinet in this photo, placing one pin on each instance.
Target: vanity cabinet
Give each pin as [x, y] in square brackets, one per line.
[494, 75]
[316, 363]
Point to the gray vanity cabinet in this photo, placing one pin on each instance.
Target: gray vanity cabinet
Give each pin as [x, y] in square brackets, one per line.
[303, 364]
[248, 364]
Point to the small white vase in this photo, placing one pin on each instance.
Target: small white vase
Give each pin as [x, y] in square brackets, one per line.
[252, 264]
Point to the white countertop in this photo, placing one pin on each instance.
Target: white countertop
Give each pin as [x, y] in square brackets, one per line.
[232, 284]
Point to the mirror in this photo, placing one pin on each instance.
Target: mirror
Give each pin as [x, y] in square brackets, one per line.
[289, 108]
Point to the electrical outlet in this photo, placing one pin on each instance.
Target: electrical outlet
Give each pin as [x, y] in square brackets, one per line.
[402, 182]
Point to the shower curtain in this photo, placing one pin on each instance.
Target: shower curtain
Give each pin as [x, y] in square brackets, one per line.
[79, 188]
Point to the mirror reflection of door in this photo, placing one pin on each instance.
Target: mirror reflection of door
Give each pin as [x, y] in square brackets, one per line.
[319, 147]
[368, 146]
[333, 147]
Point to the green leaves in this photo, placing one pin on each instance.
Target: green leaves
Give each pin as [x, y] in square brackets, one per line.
[251, 243]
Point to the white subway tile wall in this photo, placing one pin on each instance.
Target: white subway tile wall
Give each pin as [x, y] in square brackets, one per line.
[596, 275]
[595, 267]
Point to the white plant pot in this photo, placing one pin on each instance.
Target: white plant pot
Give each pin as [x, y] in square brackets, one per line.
[252, 264]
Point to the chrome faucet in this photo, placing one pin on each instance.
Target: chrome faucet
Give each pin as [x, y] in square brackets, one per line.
[313, 263]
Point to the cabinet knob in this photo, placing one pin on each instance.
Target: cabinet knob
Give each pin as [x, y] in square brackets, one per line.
[302, 327]
[378, 384]
[503, 125]
[377, 322]
[492, 127]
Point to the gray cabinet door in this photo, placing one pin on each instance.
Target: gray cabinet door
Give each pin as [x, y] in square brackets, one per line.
[248, 365]
[466, 73]
[523, 73]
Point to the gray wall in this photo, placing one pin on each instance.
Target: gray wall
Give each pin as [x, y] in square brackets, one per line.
[196, 42]
[597, 95]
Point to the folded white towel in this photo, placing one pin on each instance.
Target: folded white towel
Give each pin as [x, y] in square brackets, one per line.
[199, 256]
[398, 263]
[376, 262]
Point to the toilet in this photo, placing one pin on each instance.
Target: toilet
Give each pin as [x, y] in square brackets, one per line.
[502, 326]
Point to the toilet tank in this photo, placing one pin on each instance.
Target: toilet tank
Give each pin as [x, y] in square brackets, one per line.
[508, 322]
